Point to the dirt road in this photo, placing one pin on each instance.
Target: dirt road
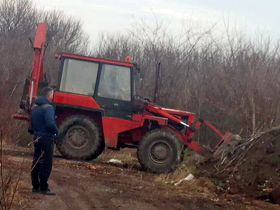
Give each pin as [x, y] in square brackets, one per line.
[95, 185]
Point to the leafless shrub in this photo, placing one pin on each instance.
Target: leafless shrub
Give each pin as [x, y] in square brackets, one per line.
[9, 181]
[18, 20]
[228, 79]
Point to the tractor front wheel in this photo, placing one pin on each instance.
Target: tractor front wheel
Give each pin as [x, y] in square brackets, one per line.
[79, 138]
[159, 151]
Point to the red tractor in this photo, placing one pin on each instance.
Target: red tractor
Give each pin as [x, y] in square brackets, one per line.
[96, 106]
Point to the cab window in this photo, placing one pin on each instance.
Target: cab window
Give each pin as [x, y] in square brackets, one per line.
[79, 77]
[115, 82]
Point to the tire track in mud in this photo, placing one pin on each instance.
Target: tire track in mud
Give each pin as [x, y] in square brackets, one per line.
[101, 187]
[70, 194]
[88, 192]
[82, 191]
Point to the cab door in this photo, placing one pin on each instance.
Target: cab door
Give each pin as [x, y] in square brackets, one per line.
[114, 91]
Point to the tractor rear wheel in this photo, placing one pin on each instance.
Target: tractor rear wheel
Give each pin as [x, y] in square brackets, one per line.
[159, 151]
[79, 138]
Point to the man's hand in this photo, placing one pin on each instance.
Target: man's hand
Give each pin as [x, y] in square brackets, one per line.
[119, 95]
[30, 129]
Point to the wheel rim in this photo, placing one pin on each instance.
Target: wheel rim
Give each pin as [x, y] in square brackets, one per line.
[160, 152]
[77, 137]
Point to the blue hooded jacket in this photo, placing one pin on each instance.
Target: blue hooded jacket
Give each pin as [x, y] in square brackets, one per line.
[42, 118]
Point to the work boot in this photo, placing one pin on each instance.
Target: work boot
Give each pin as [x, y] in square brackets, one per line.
[35, 190]
[47, 192]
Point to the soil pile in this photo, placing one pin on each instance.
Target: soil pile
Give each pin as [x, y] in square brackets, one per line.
[252, 167]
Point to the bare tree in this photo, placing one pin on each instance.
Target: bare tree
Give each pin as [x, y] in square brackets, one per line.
[18, 20]
[229, 79]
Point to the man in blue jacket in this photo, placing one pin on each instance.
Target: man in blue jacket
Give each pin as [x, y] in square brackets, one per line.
[44, 129]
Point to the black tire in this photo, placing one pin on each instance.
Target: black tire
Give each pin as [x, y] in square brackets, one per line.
[79, 138]
[159, 151]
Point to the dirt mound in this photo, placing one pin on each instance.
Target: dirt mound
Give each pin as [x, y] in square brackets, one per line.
[251, 167]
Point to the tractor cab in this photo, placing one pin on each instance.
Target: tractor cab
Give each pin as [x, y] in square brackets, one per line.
[109, 83]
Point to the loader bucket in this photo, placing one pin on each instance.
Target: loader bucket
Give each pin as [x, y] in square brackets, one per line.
[224, 140]
[202, 150]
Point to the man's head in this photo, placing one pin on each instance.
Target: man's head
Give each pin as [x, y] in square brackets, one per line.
[113, 74]
[48, 93]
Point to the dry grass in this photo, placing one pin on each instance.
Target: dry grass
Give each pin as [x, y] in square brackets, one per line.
[204, 186]
[174, 176]
[9, 181]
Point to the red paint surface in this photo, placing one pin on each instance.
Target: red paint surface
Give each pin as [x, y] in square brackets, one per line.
[37, 72]
[113, 126]
[40, 36]
[198, 148]
[177, 112]
[169, 113]
[75, 100]
[21, 117]
[97, 59]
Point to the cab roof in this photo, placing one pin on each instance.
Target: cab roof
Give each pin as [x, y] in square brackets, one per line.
[102, 60]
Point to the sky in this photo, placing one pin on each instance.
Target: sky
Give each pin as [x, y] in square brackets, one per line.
[119, 16]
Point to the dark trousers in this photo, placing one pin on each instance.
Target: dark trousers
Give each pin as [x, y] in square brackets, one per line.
[42, 162]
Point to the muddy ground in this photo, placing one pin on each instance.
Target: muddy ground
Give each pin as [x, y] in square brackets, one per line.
[99, 185]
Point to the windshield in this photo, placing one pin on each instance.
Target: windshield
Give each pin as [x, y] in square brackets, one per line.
[115, 82]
